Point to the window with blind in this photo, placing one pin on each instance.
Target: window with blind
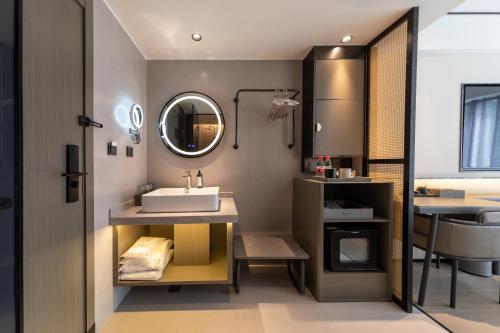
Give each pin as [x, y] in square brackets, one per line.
[480, 127]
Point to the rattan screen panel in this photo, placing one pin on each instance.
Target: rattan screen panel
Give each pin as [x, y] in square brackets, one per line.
[395, 174]
[386, 124]
[387, 127]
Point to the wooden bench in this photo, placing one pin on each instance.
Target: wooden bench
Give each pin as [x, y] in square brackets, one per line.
[270, 248]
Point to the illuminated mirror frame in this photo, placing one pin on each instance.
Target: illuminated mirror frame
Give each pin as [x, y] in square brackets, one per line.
[137, 120]
[163, 121]
[136, 116]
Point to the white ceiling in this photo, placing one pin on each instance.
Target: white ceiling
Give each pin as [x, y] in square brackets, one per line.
[259, 29]
[465, 32]
[479, 6]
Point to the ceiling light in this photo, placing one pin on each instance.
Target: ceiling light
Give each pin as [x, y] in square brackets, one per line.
[346, 39]
[196, 37]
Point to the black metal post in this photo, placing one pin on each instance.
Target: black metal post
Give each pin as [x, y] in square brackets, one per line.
[431, 237]
[235, 146]
[453, 291]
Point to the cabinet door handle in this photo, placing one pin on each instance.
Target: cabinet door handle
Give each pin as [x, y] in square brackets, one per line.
[317, 127]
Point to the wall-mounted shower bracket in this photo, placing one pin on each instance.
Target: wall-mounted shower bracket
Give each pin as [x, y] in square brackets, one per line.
[236, 101]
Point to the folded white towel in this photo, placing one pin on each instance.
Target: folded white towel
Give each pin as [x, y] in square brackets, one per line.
[153, 261]
[148, 275]
[145, 247]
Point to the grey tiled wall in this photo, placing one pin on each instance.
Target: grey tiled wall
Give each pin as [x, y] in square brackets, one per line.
[261, 171]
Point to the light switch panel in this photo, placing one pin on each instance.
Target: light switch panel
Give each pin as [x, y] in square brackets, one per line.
[130, 151]
[112, 148]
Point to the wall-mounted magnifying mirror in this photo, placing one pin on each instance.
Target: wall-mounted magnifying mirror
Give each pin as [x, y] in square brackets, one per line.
[137, 120]
[191, 124]
[137, 116]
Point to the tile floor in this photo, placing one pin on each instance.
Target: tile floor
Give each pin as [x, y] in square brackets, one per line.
[477, 308]
[267, 303]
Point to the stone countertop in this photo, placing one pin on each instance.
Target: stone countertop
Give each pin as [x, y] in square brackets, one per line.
[129, 214]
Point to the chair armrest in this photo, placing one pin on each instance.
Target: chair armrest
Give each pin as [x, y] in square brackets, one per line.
[488, 216]
[468, 223]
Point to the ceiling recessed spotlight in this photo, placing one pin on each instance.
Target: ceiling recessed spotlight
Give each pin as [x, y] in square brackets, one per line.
[346, 39]
[196, 37]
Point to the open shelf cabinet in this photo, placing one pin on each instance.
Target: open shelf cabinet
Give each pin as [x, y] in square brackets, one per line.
[217, 271]
[309, 227]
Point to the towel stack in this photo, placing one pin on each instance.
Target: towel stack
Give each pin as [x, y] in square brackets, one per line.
[146, 259]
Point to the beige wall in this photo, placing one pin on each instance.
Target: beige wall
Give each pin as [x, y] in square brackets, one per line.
[119, 81]
[437, 142]
[261, 171]
[439, 78]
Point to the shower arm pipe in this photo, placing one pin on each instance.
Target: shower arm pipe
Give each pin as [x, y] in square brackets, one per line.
[237, 100]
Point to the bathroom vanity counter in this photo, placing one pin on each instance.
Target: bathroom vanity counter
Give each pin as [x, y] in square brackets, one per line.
[203, 242]
[128, 214]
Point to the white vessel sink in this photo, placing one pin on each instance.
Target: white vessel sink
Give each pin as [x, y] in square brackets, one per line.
[172, 200]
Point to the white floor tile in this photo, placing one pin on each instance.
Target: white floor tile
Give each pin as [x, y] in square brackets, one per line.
[267, 303]
[477, 308]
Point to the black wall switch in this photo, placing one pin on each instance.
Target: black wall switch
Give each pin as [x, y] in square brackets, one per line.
[130, 151]
[112, 148]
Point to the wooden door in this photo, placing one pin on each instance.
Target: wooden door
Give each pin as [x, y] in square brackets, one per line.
[341, 122]
[53, 98]
[339, 79]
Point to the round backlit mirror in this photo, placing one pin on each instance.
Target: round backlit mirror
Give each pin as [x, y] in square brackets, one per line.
[191, 124]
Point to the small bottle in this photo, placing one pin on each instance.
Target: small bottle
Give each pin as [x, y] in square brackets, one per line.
[199, 179]
[320, 167]
[328, 167]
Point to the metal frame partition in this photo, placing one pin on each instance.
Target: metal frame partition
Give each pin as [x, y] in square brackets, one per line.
[19, 163]
[11, 167]
[389, 144]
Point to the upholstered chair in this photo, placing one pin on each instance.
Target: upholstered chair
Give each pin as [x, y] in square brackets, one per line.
[462, 239]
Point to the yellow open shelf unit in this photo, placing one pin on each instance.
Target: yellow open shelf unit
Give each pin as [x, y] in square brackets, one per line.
[218, 271]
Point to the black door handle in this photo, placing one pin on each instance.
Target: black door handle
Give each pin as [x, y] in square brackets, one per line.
[74, 174]
[6, 203]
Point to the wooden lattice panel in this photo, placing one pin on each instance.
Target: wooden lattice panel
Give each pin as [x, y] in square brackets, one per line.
[388, 95]
[386, 127]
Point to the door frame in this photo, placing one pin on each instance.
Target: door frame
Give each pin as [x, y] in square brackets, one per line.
[88, 166]
[88, 184]
[18, 77]
[408, 161]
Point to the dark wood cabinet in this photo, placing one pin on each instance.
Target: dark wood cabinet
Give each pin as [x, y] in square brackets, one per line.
[333, 101]
[310, 229]
[339, 79]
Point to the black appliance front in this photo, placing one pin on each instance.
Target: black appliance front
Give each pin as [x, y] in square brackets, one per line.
[352, 248]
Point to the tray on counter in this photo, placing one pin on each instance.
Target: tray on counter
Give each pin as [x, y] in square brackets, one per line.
[343, 180]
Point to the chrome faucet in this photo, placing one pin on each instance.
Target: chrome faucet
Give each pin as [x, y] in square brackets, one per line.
[188, 180]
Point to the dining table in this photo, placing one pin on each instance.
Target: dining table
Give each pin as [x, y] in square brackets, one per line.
[436, 206]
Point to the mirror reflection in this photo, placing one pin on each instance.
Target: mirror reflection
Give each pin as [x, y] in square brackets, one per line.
[191, 124]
